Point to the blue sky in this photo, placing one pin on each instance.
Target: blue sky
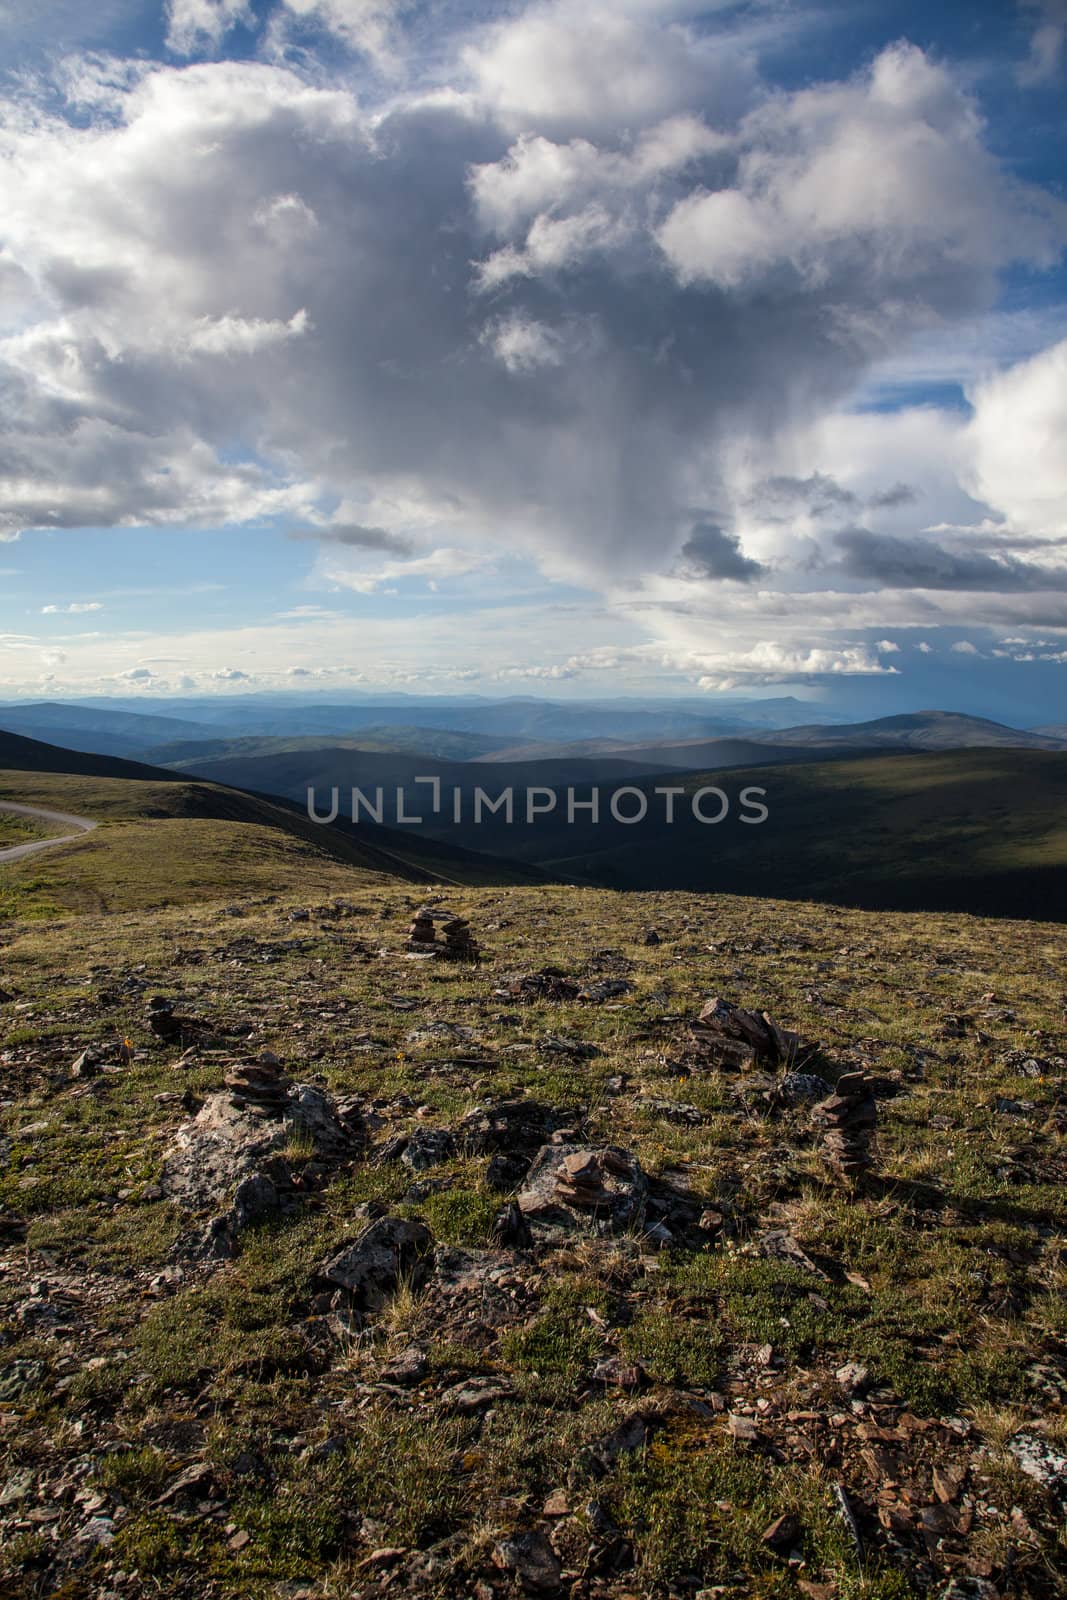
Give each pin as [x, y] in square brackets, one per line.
[643, 347]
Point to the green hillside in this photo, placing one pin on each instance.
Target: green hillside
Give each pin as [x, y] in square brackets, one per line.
[166, 840]
[983, 831]
[978, 830]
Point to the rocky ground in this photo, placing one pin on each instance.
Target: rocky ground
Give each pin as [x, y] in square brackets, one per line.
[334, 1267]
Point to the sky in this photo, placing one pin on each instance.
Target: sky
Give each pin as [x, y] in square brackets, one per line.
[562, 347]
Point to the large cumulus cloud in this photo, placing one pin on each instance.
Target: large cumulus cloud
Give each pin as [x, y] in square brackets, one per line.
[541, 295]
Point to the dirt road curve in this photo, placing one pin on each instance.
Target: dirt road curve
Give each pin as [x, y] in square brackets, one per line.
[78, 825]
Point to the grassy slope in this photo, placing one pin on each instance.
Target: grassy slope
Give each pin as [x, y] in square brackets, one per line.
[164, 842]
[981, 831]
[15, 829]
[945, 1277]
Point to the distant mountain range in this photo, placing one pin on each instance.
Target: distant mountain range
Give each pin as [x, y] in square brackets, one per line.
[919, 730]
[118, 729]
[508, 731]
[933, 810]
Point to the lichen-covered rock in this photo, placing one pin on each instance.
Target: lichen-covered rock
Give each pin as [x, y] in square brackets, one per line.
[572, 1188]
[389, 1251]
[510, 1127]
[227, 1142]
[531, 1559]
[428, 1147]
[802, 1088]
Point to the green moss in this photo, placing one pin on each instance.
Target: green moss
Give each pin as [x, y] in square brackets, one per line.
[676, 1350]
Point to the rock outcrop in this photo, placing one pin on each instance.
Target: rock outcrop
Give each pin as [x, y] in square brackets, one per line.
[572, 1188]
[236, 1152]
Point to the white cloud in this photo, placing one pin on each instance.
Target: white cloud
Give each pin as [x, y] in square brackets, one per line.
[1018, 440]
[369, 26]
[76, 608]
[604, 67]
[223, 336]
[433, 567]
[589, 294]
[1047, 41]
[524, 345]
[889, 170]
[194, 25]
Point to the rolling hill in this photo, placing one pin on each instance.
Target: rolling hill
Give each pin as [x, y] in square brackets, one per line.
[98, 730]
[982, 831]
[165, 839]
[292, 772]
[439, 744]
[917, 730]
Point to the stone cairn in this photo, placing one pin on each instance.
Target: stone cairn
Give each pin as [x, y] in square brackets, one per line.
[422, 935]
[460, 943]
[849, 1117]
[259, 1086]
[584, 1178]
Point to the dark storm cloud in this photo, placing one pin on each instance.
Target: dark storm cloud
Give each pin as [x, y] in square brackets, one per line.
[357, 537]
[711, 552]
[920, 564]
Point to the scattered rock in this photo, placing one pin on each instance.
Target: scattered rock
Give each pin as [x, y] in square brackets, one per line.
[782, 1534]
[854, 1378]
[410, 1366]
[89, 1064]
[531, 1559]
[510, 1230]
[733, 1037]
[1036, 1457]
[231, 1137]
[801, 1088]
[631, 1434]
[509, 1127]
[371, 1268]
[428, 1147]
[968, 1587]
[778, 1245]
[165, 1024]
[475, 1394]
[577, 1049]
[596, 994]
[616, 1373]
[506, 1172]
[570, 1187]
[550, 983]
[194, 1482]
